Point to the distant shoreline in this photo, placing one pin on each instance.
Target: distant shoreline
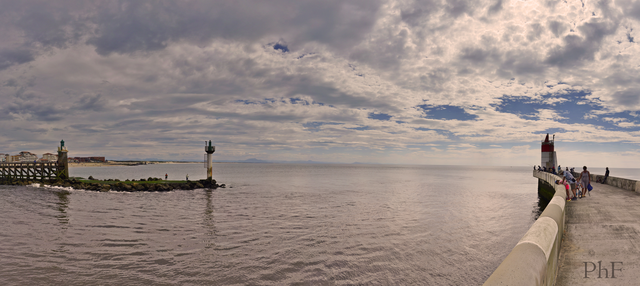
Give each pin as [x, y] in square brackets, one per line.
[125, 163]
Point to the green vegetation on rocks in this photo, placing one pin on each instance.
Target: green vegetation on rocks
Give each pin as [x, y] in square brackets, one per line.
[144, 185]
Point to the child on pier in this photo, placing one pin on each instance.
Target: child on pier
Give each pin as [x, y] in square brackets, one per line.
[567, 188]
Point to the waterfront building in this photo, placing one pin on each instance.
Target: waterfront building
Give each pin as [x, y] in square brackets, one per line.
[26, 156]
[49, 157]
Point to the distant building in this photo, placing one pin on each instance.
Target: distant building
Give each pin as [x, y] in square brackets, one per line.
[26, 156]
[98, 159]
[49, 157]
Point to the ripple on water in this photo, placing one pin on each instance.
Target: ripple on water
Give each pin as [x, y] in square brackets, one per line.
[279, 225]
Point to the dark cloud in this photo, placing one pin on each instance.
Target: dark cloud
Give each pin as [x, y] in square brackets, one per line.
[328, 94]
[435, 80]
[419, 12]
[577, 49]
[385, 52]
[10, 57]
[520, 63]
[456, 8]
[20, 87]
[632, 8]
[629, 97]
[495, 8]
[36, 110]
[48, 27]
[478, 55]
[553, 3]
[29, 27]
[557, 28]
[90, 103]
[131, 26]
[126, 27]
[535, 30]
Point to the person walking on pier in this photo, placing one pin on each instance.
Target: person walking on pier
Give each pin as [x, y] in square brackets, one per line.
[585, 181]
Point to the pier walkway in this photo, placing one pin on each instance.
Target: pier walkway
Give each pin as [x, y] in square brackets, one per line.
[602, 239]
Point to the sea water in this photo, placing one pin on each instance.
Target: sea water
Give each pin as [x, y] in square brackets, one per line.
[274, 224]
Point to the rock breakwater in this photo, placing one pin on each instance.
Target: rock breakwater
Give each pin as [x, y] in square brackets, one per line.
[143, 185]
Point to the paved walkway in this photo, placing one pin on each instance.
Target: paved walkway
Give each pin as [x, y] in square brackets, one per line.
[601, 230]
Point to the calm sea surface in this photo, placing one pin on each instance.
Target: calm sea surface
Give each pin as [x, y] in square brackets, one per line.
[275, 224]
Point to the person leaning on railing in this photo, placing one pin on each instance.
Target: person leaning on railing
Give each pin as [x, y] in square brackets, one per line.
[606, 175]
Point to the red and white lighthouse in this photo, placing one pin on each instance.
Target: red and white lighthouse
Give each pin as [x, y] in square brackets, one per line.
[549, 158]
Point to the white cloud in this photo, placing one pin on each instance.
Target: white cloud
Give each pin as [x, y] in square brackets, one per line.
[173, 75]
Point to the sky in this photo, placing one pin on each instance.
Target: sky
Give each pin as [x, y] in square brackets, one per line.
[438, 82]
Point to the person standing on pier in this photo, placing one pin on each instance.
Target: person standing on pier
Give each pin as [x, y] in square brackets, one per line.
[187, 177]
[571, 180]
[585, 181]
[606, 175]
[166, 176]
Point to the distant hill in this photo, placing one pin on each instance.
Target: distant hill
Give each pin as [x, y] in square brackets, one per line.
[254, 160]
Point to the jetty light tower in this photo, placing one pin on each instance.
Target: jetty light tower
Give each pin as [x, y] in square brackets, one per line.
[209, 149]
[63, 162]
[549, 158]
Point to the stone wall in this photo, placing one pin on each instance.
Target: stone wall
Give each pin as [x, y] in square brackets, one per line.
[625, 184]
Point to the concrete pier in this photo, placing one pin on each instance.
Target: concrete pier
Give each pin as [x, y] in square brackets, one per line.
[534, 260]
[603, 235]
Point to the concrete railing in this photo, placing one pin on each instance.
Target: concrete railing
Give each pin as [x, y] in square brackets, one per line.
[534, 260]
[625, 184]
[622, 183]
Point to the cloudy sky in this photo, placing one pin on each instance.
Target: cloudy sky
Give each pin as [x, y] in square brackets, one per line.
[403, 82]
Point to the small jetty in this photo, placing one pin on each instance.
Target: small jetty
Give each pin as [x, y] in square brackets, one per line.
[40, 171]
[57, 174]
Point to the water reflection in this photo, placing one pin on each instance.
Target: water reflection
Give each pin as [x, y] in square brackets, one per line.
[539, 207]
[208, 220]
[63, 205]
